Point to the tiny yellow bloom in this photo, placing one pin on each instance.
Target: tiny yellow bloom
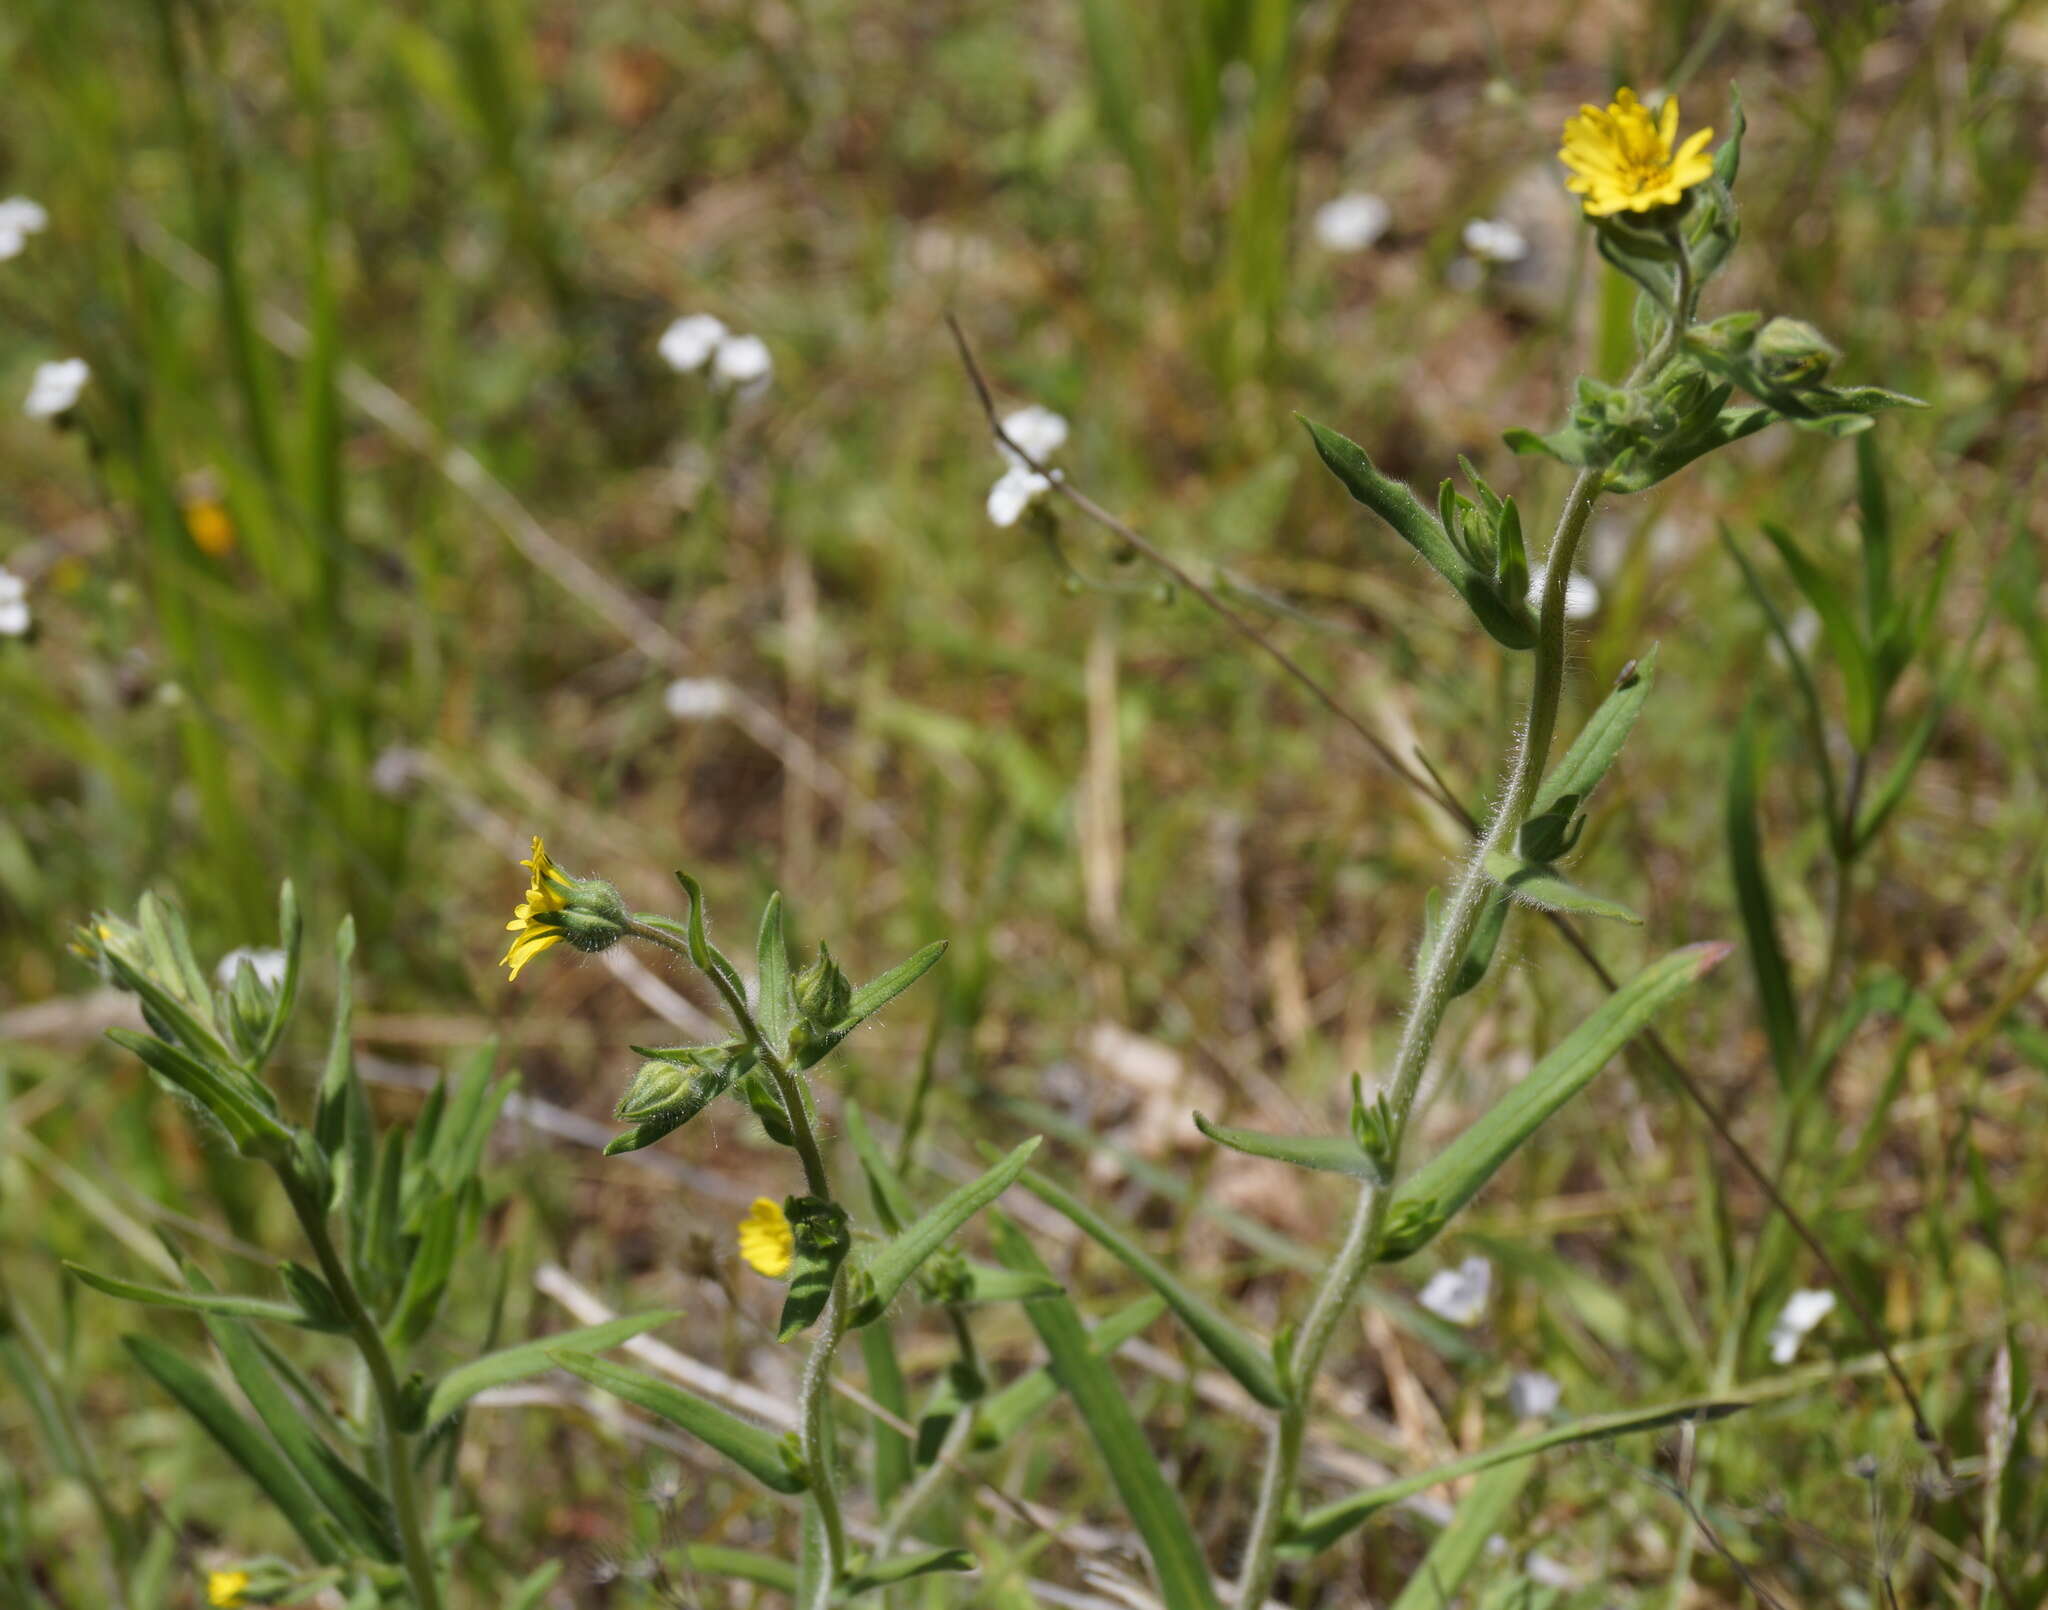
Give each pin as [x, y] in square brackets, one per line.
[226, 1587]
[544, 897]
[1622, 159]
[766, 1240]
[210, 527]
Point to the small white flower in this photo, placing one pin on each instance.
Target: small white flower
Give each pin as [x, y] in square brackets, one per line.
[1038, 431]
[688, 343]
[1581, 596]
[1495, 240]
[1532, 1395]
[743, 361]
[1352, 222]
[14, 611]
[55, 388]
[1014, 493]
[19, 219]
[1803, 1310]
[269, 966]
[1459, 1295]
[394, 772]
[696, 698]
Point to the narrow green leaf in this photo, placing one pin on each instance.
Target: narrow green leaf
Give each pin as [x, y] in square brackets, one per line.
[1802, 677]
[1838, 628]
[526, 1359]
[899, 1259]
[242, 1441]
[758, 1452]
[867, 1578]
[889, 1448]
[893, 1205]
[1433, 1584]
[987, 1285]
[530, 1589]
[1331, 1154]
[290, 938]
[1429, 1197]
[1544, 887]
[877, 993]
[254, 1131]
[1319, 1528]
[1595, 748]
[740, 1565]
[822, 1240]
[1884, 798]
[774, 1003]
[433, 1261]
[1001, 1415]
[275, 1313]
[1170, 1543]
[1753, 902]
[708, 957]
[1229, 1346]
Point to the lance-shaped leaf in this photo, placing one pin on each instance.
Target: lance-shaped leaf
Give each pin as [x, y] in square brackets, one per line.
[243, 1442]
[1330, 1154]
[774, 1004]
[1425, 1202]
[898, 1259]
[759, 1453]
[220, 1091]
[708, 957]
[290, 938]
[871, 997]
[893, 1205]
[1839, 630]
[1594, 750]
[985, 1285]
[1541, 885]
[889, 1449]
[1757, 909]
[526, 1359]
[1229, 1346]
[741, 1565]
[1319, 1528]
[1505, 620]
[1003, 1414]
[1150, 1502]
[820, 1241]
[275, 1313]
[866, 1578]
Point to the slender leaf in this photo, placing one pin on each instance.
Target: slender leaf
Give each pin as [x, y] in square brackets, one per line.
[1541, 885]
[1884, 798]
[708, 957]
[526, 1359]
[1001, 1415]
[759, 1453]
[1429, 1197]
[898, 1260]
[1148, 1500]
[889, 1447]
[740, 1565]
[1753, 902]
[1838, 627]
[867, 1578]
[1244, 1358]
[1433, 1584]
[275, 1313]
[774, 1002]
[241, 1441]
[893, 1205]
[1600, 741]
[1319, 1528]
[1331, 1154]
[877, 993]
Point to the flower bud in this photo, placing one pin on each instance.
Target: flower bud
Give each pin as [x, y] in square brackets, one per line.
[1792, 352]
[823, 992]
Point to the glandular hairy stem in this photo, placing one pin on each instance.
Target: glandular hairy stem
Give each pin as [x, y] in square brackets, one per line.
[1432, 995]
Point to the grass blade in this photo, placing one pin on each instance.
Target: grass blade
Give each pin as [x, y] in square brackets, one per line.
[759, 1453]
[526, 1359]
[889, 1268]
[1753, 902]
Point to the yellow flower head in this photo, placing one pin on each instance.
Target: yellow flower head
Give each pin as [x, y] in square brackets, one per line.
[766, 1240]
[1622, 159]
[226, 1587]
[545, 897]
[210, 526]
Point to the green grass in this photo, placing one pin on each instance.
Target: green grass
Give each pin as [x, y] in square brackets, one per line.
[1115, 810]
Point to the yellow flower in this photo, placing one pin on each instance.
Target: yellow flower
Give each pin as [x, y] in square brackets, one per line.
[211, 528]
[766, 1240]
[226, 1587]
[1622, 159]
[543, 899]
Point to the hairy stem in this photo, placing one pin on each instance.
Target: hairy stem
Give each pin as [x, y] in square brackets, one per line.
[1426, 1009]
[394, 1446]
[815, 1433]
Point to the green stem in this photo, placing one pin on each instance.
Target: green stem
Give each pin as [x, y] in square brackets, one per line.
[1418, 1036]
[394, 1445]
[815, 1434]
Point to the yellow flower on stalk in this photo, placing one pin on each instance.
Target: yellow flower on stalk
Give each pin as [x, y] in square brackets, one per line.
[226, 1587]
[545, 897]
[1622, 159]
[766, 1240]
[210, 526]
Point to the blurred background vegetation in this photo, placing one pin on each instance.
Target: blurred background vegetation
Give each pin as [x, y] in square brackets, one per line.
[382, 538]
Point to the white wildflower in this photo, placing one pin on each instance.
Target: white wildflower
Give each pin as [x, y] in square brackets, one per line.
[1581, 595]
[19, 219]
[54, 390]
[14, 611]
[688, 344]
[268, 965]
[1803, 1310]
[1352, 222]
[1532, 1395]
[696, 698]
[743, 361]
[1495, 240]
[1039, 433]
[1459, 1295]
[396, 770]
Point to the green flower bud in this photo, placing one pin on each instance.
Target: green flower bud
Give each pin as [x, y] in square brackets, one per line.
[823, 992]
[1791, 352]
